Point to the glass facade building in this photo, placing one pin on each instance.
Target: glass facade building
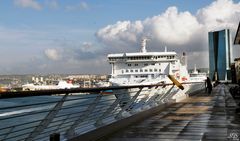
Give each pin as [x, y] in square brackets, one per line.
[220, 54]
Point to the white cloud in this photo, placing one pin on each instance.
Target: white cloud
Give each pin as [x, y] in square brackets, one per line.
[220, 14]
[52, 54]
[53, 4]
[121, 34]
[84, 5]
[47, 51]
[80, 6]
[87, 46]
[198, 58]
[173, 27]
[28, 4]
[181, 31]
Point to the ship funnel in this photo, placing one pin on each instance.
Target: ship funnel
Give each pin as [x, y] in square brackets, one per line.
[143, 45]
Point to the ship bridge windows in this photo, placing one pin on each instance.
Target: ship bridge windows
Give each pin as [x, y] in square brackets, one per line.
[110, 59]
[116, 58]
[139, 58]
[171, 57]
[166, 57]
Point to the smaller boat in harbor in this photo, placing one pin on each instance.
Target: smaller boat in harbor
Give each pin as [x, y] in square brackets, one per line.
[102, 84]
[196, 76]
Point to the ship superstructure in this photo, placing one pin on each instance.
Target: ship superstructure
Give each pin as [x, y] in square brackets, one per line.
[147, 67]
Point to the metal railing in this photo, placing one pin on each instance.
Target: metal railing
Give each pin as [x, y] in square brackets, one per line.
[35, 115]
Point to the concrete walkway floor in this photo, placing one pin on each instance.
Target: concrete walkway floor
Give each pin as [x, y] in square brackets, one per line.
[200, 117]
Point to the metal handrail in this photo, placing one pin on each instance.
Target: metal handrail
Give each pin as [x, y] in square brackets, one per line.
[73, 115]
[4, 95]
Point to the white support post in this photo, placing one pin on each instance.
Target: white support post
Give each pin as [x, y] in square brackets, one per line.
[119, 115]
[47, 120]
[108, 111]
[71, 131]
[159, 99]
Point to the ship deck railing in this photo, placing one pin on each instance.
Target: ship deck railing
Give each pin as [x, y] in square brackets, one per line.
[67, 114]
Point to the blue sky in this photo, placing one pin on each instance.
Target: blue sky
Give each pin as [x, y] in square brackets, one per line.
[95, 15]
[74, 36]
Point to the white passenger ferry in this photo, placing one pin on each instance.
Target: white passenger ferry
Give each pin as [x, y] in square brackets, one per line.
[146, 68]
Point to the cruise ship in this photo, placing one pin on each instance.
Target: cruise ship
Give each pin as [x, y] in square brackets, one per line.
[151, 68]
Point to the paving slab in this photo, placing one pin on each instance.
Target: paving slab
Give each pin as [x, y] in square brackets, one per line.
[199, 117]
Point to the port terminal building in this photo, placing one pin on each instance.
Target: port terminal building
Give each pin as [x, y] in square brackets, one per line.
[237, 37]
[237, 60]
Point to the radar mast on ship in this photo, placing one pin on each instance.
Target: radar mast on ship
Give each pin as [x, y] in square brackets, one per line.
[143, 45]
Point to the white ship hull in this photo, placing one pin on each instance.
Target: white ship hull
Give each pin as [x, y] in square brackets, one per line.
[163, 94]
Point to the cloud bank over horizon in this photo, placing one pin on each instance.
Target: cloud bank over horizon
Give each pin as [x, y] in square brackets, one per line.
[74, 49]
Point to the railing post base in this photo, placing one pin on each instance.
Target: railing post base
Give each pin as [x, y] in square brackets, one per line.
[55, 137]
